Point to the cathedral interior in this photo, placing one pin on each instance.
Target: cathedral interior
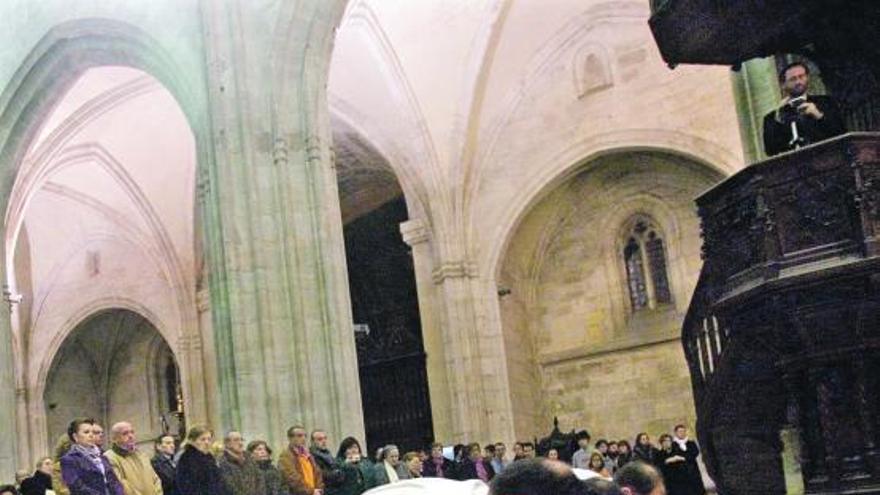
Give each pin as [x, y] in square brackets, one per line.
[450, 220]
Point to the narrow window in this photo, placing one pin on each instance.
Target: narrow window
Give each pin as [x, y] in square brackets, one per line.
[644, 257]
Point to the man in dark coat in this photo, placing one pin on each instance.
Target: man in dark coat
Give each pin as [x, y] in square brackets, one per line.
[815, 118]
[330, 470]
[239, 471]
[684, 447]
[164, 464]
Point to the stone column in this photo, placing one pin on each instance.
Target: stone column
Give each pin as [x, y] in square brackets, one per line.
[756, 92]
[8, 425]
[416, 235]
[480, 408]
[279, 297]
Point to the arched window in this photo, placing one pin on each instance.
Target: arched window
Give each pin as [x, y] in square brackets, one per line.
[644, 257]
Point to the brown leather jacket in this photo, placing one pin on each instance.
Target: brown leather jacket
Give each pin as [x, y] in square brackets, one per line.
[291, 472]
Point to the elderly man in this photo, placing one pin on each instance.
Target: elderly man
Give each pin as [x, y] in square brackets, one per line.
[131, 467]
[240, 472]
[301, 474]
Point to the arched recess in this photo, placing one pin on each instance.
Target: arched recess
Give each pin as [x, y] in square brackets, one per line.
[385, 304]
[113, 366]
[45, 77]
[574, 345]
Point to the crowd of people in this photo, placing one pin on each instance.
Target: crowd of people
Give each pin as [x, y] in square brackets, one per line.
[84, 465]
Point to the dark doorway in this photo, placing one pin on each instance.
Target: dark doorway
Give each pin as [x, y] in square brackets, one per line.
[391, 355]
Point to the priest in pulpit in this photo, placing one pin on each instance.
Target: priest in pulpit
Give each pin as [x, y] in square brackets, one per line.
[801, 118]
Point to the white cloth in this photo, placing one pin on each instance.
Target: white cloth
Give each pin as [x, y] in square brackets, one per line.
[391, 472]
[682, 443]
[432, 486]
[585, 474]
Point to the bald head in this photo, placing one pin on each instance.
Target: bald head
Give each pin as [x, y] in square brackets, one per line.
[639, 478]
[537, 477]
[123, 435]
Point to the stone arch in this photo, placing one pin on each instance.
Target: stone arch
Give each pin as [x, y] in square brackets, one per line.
[348, 134]
[531, 327]
[567, 162]
[138, 339]
[390, 338]
[55, 63]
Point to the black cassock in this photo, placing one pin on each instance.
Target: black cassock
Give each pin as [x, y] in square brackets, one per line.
[777, 125]
[681, 478]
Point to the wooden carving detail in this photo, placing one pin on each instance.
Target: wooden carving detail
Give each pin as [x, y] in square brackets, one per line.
[797, 303]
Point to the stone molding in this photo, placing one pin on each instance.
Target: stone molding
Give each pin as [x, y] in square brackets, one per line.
[454, 269]
[414, 232]
[617, 345]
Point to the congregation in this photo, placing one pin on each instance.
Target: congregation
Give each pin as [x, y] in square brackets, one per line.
[83, 465]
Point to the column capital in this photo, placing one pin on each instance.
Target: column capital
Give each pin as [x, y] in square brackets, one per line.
[414, 232]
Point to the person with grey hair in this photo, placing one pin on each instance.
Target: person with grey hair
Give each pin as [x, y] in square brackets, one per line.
[389, 469]
[241, 474]
[133, 469]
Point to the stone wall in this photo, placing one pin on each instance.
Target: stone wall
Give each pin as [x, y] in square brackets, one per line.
[616, 395]
[599, 364]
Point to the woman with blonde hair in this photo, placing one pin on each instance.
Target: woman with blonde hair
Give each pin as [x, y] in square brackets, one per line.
[197, 471]
[61, 448]
[41, 481]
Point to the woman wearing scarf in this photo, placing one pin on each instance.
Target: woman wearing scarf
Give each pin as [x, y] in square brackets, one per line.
[298, 469]
[389, 469]
[197, 471]
[357, 470]
[84, 470]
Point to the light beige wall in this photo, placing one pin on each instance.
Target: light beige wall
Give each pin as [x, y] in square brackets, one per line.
[598, 364]
[478, 133]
